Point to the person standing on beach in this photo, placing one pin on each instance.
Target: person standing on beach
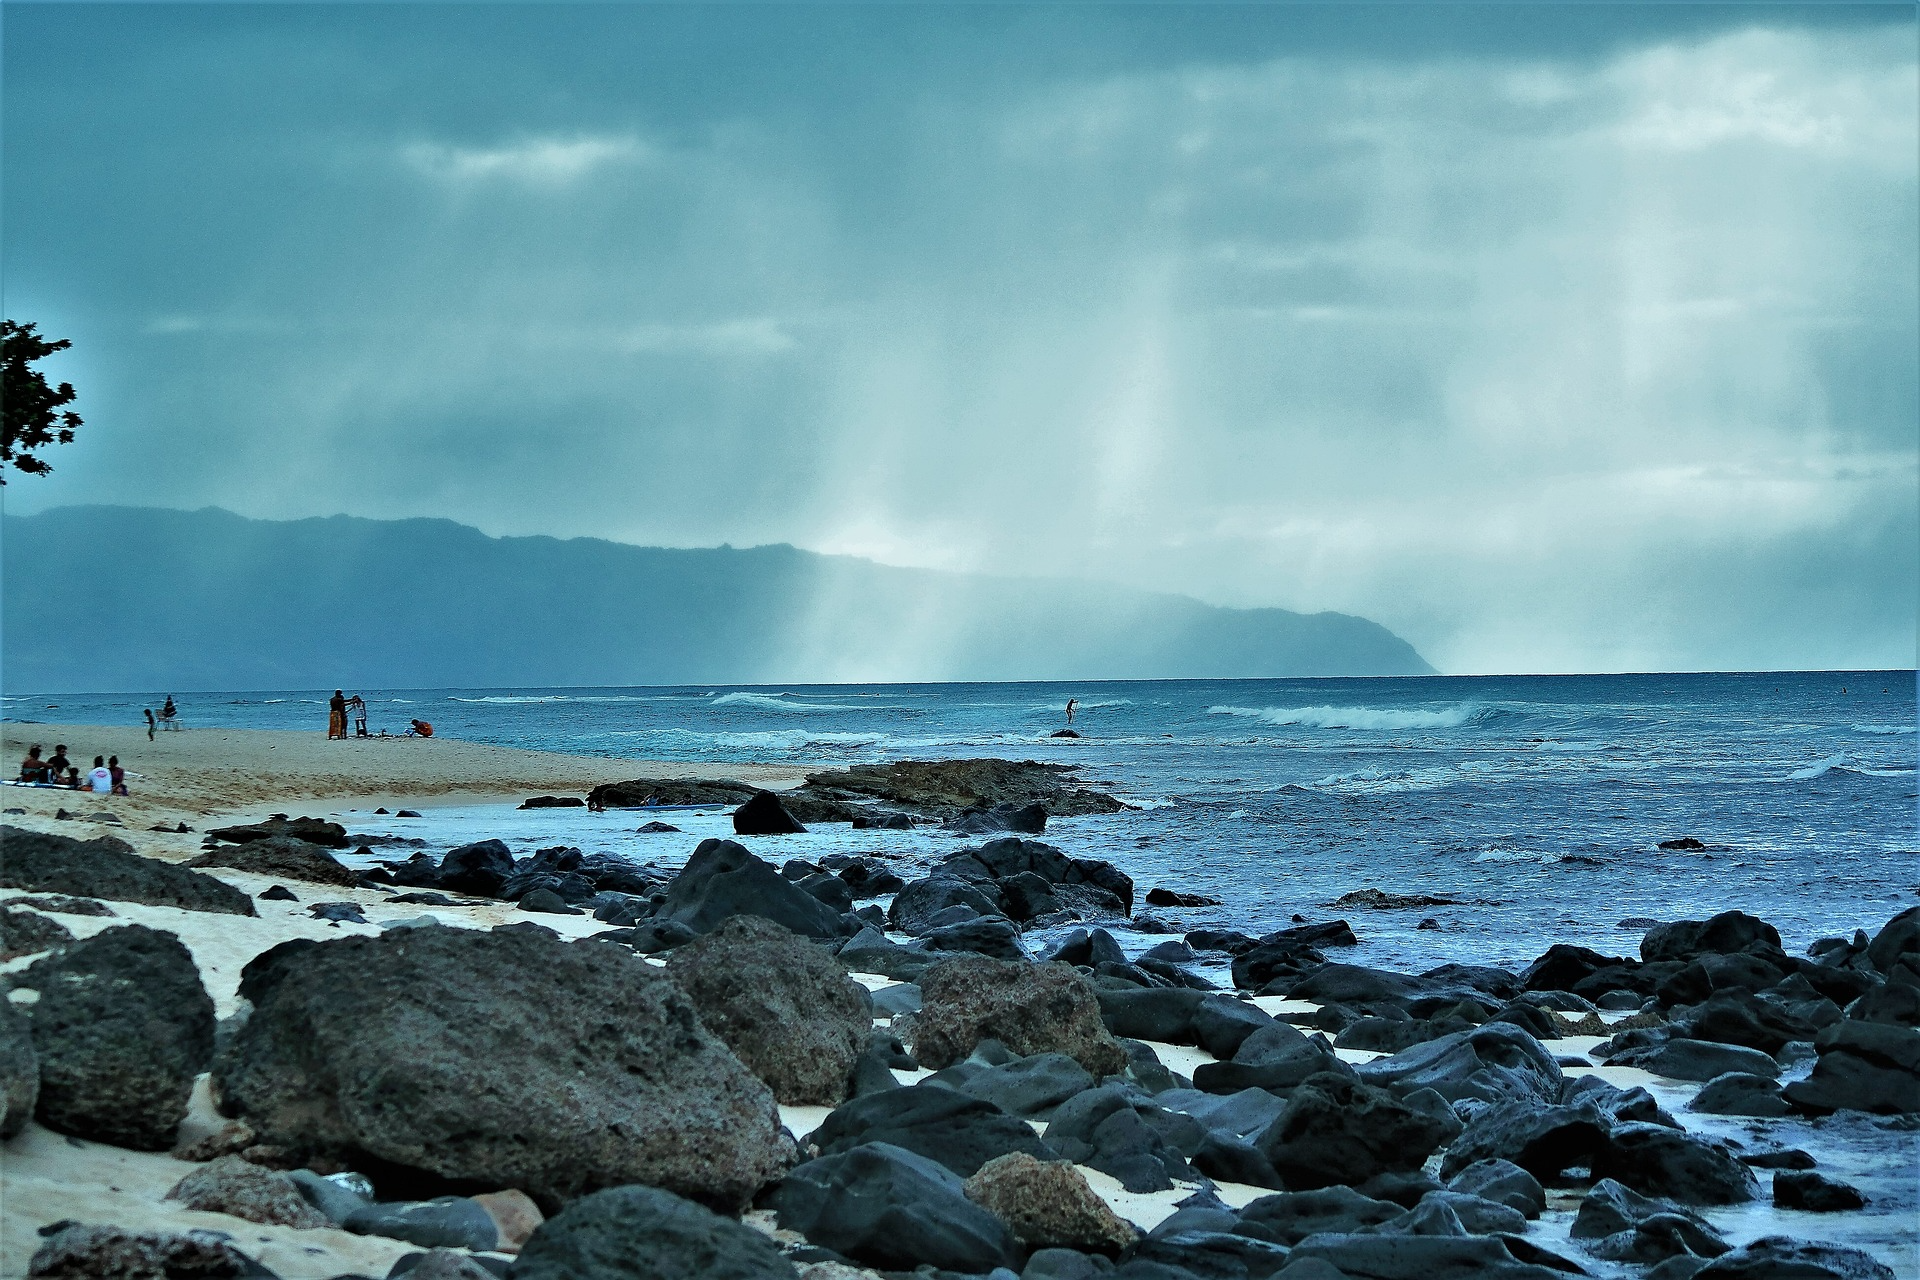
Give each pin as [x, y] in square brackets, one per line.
[149, 711]
[358, 706]
[337, 715]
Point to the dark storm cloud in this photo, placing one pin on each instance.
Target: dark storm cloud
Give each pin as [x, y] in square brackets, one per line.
[1554, 338]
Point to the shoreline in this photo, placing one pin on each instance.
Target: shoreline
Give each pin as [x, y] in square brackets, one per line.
[49, 1178]
[217, 772]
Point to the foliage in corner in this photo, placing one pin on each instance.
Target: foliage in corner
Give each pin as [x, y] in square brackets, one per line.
[34, 412]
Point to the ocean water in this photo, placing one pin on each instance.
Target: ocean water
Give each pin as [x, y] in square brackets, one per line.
[1537, 803]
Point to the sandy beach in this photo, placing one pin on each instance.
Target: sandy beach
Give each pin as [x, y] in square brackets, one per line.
[231, 772]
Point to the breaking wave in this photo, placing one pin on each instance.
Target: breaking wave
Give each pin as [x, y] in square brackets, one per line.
[1460, 713]
[780, 702]
[1846, 764]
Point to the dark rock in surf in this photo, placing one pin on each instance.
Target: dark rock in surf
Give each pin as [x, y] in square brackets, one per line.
[1863, 1066]
[480, 868]
[109, 868]
[781, 1003]
[914, 907]
[1739, 1094]
[1158, 897]
[312, 830]
[343, 1028]
[1809, 1191]
[1658, 1161]
[643, 1233]
[1028, 819]
[552, 802]
[1728, 933]
[121, 1029]
[1781, 1258]
[764, 815]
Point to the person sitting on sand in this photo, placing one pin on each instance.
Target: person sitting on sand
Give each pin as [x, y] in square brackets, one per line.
[72, 782]
[58, 766]
[100, 776]
[33, 768]
[420, 729]
[118, 775]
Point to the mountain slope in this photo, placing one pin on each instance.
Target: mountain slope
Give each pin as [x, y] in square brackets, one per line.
[123, 598]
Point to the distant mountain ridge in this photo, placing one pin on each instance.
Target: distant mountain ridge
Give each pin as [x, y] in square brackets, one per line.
[110, 599]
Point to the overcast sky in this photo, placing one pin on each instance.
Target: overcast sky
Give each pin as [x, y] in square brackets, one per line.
[1556, 338]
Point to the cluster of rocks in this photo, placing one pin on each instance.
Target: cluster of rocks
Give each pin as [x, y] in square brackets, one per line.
[972, 796]
[611, 1115]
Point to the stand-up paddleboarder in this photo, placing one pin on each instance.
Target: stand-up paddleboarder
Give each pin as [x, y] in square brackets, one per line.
[1073, 704]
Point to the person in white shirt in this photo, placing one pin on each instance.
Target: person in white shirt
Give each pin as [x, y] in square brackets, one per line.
[100, 776]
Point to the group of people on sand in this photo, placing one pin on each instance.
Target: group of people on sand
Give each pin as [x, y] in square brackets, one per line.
[340, 708]
[106, 776]
[169, 717]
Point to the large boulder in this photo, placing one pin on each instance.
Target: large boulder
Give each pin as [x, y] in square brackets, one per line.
[722, 879]
[121, 1029]
[644, 1233]
[281, 857]
[1657, 1161]
[19, 1071]
[784, 1006]
[1543, 1140]
[1337, 1130]
[764, 815]
[915, 908]
[439, 1056]
[1030, 1008]
[887, 1207]
[312, 830]
[1728, 933]
[1292, 1216]
[109, 868]
[1863, 1066]
[1048, 1204]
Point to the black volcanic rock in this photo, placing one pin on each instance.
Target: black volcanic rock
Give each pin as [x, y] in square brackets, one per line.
[109, 868]
[121, 1029]
[429, 1057]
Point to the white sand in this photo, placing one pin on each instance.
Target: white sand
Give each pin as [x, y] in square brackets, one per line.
[199, 772]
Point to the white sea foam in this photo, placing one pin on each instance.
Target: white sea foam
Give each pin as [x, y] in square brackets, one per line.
[1369, 782]
[1450, 717]
[780, 702]
[514, 699]
[1883, 729]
